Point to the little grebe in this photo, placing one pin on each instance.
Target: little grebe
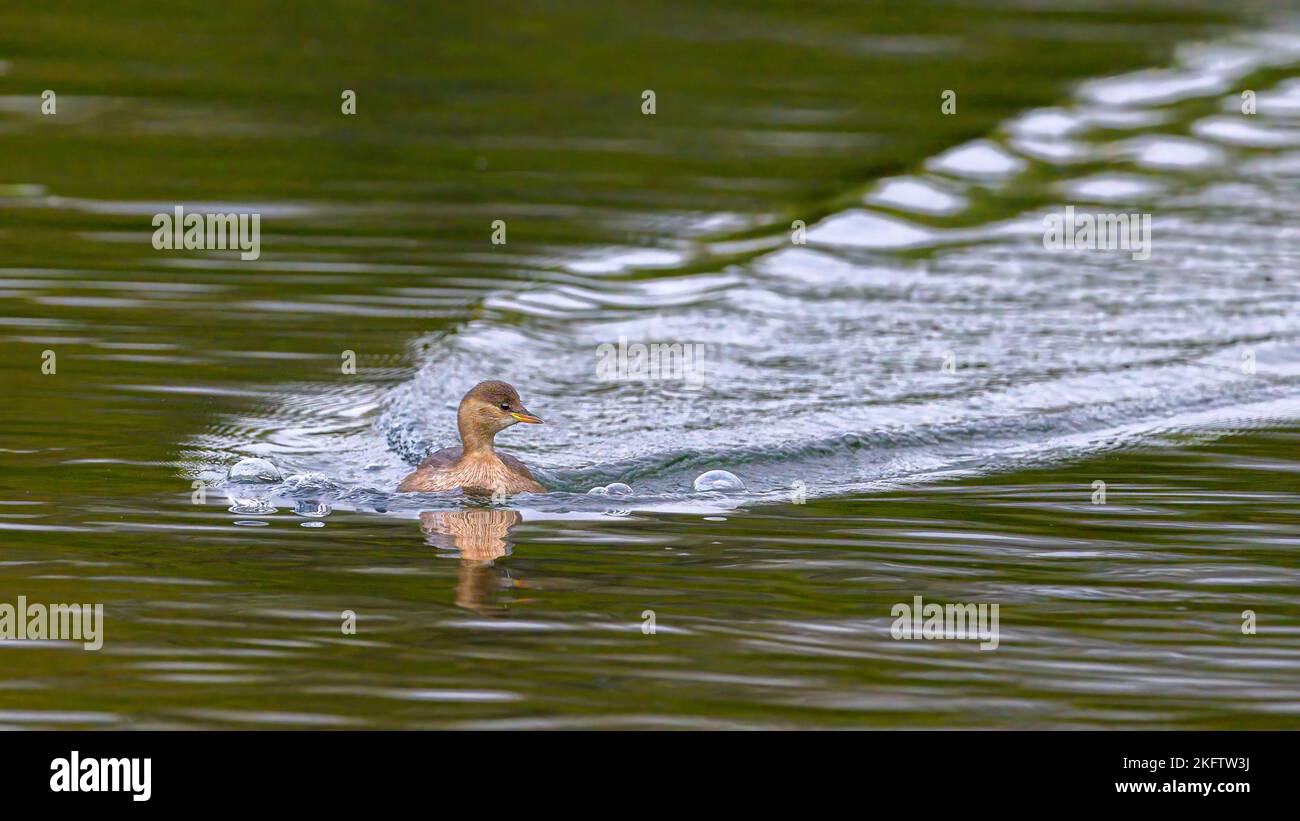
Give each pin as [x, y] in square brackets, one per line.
[489, 408]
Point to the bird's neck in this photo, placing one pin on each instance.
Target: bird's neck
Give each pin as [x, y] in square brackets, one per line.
[474, 439]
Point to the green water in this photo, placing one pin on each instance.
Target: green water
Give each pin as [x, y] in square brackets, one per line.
[376, 239]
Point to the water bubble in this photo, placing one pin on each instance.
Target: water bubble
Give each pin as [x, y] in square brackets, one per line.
[312, 508]
[718, 480]
[250, 481]
[308, 483]
[253, 471]
[618, 489]
[251, 503]
[313, 524]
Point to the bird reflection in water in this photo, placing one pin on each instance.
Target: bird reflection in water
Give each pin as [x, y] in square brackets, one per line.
[480, 536]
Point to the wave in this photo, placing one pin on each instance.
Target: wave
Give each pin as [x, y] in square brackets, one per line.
[923, 331]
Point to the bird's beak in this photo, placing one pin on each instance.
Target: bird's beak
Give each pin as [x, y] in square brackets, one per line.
[527, 417]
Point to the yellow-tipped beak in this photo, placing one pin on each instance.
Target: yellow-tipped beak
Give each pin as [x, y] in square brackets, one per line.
[527, 417]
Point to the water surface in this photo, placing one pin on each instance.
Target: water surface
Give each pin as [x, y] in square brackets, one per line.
[920, 399]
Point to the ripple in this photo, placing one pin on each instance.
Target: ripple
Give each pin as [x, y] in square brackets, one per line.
[272, 718]
[1234, 131]
[1152, 87]
[1167, 153]
[917, 194]
[865, 229]
[978, 159]
[1112, 188]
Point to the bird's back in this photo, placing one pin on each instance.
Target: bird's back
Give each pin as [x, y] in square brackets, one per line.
[444, 458]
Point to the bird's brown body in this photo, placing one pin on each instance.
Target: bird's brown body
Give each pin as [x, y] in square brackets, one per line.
[476, 466]
[451, 468]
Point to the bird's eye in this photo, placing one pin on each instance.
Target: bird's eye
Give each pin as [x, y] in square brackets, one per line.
[505, 406]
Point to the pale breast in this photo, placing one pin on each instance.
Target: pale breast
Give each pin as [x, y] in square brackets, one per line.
[448, 470]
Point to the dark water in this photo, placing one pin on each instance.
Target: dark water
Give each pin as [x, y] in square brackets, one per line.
[920, 399]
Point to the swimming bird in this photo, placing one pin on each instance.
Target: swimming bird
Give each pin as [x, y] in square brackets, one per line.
[489, 408]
